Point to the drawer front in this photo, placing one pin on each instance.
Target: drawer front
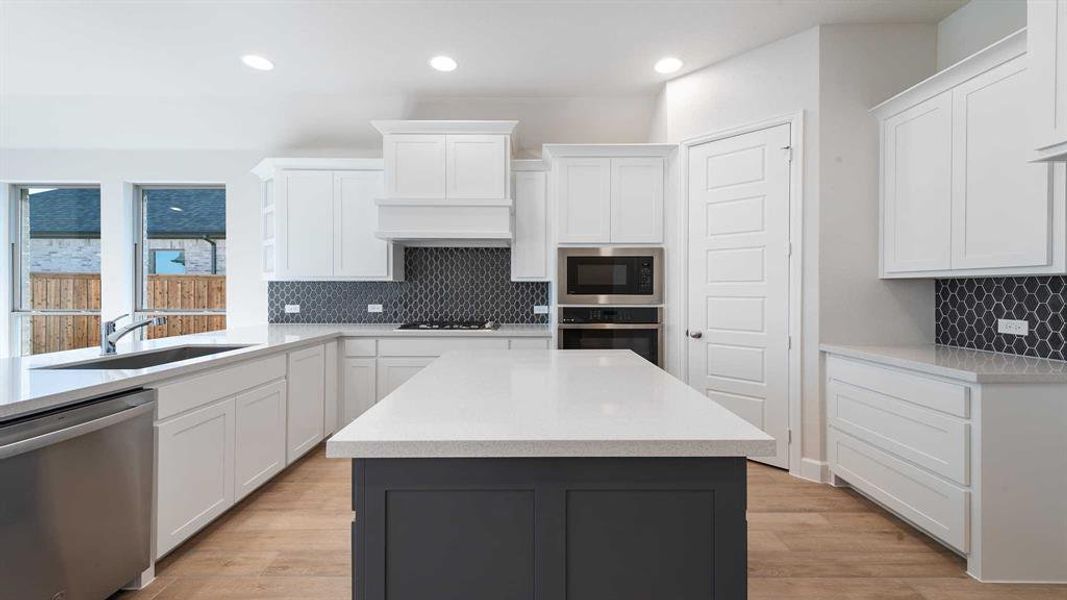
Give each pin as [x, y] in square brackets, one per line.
[529, 344]
[179, 396]
[437, 346]
[930, 439]
[361, 347]
[938, 395]
[935, 505]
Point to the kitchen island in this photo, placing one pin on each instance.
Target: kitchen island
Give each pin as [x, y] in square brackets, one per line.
[548, 474]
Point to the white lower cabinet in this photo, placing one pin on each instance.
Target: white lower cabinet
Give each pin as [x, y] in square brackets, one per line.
[306, 399]
[260, 424]
[394, 371]
[359, 378]
[195, 471]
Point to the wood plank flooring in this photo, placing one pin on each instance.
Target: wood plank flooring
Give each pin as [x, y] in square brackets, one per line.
[290, 539]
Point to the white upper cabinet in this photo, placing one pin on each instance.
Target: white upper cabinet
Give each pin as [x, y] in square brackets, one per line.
[609, 194]
[414, 166]
[917, 159]
[306, 217]
[529, 249]
[584, 199]
[319, 221]
[476, 166]
[637, 200]
[1047, 33]
[960, 197]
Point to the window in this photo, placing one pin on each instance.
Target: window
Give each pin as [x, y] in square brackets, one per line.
[56, 291]
[182, 264]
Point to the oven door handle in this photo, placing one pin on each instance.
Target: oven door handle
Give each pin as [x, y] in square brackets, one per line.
[610, 326]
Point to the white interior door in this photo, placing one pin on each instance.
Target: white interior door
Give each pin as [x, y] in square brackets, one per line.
[739, 278]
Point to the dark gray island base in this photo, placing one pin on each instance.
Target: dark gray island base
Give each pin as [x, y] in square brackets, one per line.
[549, 529]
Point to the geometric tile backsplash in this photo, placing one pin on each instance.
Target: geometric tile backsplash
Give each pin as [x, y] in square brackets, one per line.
[464, 284]
[967, 311]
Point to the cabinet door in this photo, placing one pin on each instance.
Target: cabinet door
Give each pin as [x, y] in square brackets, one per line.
[477, 166]
[637, 200]
[392, 372]
[359, 382]
[414, 166]
[1000, 202]
[307, 398]
[357, 252]
[529, 249]
[916, 187]
[195, 472]
[584, 200]
[260, 436]
[307, 224]
[1047, 41]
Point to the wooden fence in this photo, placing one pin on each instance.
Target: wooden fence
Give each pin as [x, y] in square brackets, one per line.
[81, 291]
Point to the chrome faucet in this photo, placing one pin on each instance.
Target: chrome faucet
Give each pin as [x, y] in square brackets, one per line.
[109, 336]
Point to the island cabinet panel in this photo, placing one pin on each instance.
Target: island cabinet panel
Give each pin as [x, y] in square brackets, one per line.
[548, 528]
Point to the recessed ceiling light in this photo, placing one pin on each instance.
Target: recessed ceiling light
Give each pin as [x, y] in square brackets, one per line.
[176, 209]
[257, 62]
[443, 63]
[668, 65]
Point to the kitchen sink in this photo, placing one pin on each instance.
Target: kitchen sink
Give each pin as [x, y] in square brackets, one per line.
[142, 360]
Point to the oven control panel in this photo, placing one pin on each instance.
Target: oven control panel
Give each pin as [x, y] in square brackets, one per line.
[608, 314]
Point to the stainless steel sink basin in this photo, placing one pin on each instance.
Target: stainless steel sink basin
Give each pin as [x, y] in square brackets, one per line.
[151, 358]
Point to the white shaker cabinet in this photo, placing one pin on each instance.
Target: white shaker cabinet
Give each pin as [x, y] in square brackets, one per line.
[415, 166]
[636, 200]
[394, 371]
[959, 195]
[358, 253]
[434, 166]
[306, 219]
[1047, 42]
[529, 249]
[584, 200]
[194, 471]
[359, 377]
[476, 166]
[260, 424]
[306, 400]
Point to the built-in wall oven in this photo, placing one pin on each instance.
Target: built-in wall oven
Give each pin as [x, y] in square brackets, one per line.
[636, 328]
[610, 276]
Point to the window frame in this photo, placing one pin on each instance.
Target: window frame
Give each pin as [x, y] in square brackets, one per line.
[140, 250]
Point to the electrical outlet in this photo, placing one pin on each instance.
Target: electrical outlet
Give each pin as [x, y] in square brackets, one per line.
[540, 309]
[374, 308]
[291, 309]
[1013, 327]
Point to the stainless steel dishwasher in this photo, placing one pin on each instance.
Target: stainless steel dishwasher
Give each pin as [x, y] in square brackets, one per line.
[76, 499]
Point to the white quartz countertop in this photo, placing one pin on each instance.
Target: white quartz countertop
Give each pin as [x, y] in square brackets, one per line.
[24, 388]
[965, 364]
[537, 403]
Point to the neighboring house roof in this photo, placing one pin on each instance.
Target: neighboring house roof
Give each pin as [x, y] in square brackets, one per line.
[75, 212]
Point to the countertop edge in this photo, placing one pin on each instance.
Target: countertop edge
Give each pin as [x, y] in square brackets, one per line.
[878, 354]
[348, 449]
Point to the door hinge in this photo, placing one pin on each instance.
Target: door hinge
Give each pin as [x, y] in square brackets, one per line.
[789, 435]
[788, 153]
[789, 248]
[789, 342]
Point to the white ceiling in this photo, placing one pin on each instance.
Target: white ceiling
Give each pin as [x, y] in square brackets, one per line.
[166, 73]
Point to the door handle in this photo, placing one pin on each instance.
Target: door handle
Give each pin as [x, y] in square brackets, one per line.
[696, 335]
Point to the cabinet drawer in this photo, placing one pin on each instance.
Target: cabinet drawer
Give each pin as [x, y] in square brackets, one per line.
[361, 347]
[529, 344]
[179, 396]
[930, 439]
[935, 505]
[437, 346]
[931, 393]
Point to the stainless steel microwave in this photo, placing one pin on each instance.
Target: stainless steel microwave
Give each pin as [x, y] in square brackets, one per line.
[610, 276]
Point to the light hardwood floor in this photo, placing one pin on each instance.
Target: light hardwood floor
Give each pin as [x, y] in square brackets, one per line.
[290, 539]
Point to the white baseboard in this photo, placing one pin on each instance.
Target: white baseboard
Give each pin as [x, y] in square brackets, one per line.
[814, 470]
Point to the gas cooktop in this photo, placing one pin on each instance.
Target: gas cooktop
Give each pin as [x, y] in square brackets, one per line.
[487, 325]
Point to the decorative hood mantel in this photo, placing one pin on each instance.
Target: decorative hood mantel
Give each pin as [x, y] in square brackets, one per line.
[447, 183]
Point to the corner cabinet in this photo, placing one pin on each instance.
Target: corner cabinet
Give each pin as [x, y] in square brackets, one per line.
[1047, 33]
[959, 195]
[529, 247]
[610, 194]
[319, 219]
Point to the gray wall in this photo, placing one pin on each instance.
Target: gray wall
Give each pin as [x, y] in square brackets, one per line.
[976, 25]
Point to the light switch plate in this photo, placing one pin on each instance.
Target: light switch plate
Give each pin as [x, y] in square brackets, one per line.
[540, 309]
[374, 308]
[1013, 327]
[291, 309]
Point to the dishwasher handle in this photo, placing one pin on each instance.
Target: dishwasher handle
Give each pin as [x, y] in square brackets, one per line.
[40, 437]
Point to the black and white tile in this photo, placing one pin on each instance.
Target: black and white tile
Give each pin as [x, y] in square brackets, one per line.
[967, 311]
[467, 284]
